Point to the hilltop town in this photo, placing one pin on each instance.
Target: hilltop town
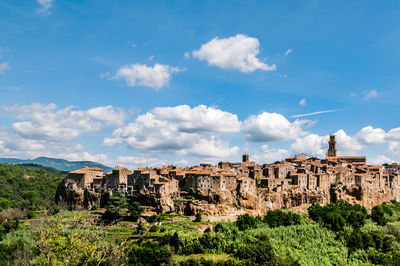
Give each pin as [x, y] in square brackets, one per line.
[231, 188]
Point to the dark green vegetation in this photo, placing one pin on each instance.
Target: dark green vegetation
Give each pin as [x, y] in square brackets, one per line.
[28, 188]
[336, 234]
[59, 164]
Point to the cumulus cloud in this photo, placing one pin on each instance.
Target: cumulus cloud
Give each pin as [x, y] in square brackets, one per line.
[181, 130]
[199, 118]
[371, 94]
[272, 127]
[346, 142]
[3, 67]
[155, 77]
[393, 134]
[134, 162]
[45, 6]
[311, 144]
[268, 155]
[394, 147]
[41, 121]
[380, 159]
[317, 145]
[236, 52]
[370, 135]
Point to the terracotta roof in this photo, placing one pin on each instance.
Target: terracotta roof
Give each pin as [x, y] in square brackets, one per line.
[204, 173]
[79, 171]
[94, 168]
[118, 168]
[191, 172]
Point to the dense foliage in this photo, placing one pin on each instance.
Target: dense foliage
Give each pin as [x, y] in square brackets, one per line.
[28, 188]
[337, 215]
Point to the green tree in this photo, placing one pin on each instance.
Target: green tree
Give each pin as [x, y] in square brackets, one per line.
[4, 203]
[246, 221]
[149, 254]
[135, 210]
[198, 217]
[115, 205]
[378, 215]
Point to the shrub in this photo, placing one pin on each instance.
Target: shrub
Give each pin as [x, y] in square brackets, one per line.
[336, 215]
[246, 221]
[278, 218]
[135, 210]
[9, 219]
[198, 217]
[115, 205]
[259, 252]
[154, 228]
[149, 254]
[378, 215]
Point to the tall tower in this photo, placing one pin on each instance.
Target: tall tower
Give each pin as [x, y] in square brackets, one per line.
[245, 158]
[332, 152]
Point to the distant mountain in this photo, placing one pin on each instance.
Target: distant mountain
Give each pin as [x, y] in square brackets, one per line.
[59, 164]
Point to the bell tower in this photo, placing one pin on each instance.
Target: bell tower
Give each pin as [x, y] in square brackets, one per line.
[332, 152]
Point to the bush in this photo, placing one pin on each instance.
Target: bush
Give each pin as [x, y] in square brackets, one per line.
[377, 215]
[336, 215]
[259, 252]
[154, 228]
[198, 217]
[115, 205]
[9, 220]
[135, 210]
[149, 254]
[246, 221]
[278, 218]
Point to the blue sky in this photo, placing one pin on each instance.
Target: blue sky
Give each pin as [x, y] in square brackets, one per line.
[142, 83]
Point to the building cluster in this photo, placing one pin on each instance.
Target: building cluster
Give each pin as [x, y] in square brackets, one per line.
[296, 181]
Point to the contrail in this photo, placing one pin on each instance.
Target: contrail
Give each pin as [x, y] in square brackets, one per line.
[17, 31]
[315, 113]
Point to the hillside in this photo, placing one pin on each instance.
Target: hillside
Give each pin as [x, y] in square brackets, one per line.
[59, 164]
[31, 187]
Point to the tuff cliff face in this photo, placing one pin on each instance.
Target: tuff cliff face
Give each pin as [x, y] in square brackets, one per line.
[71, 197]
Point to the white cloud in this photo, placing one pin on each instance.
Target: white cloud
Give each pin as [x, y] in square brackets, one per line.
[347, 143]
[85, 156]
[181, 130]
[288, 51]
[199, 118]
[154, 77]
[380, 159]
[370, 135]
[236, 52]
[302, 102]
[371, 94]
[3, 67]
[311, 144]
[393, 134]
[45, 5]
[268, 155]
[133, 162]
[394, 147]
[317, 145]
[47, 122]
[272, 127]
